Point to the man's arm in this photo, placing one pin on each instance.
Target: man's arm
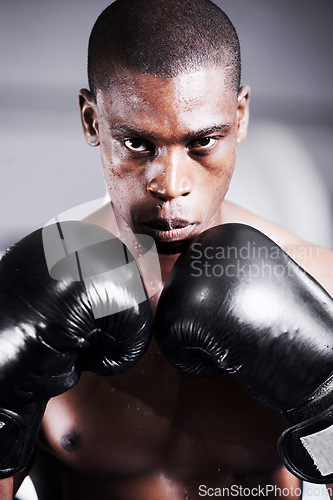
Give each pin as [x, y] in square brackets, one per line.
[10, 485]
[6, 488]
[330, 490]
[53, 327]
[317, 261]
[236, 302]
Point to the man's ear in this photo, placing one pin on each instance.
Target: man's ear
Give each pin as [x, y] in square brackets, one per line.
[89, 120]
[242, 112]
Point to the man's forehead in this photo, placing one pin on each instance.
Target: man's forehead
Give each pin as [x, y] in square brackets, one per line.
[127, 85]
[179, 108]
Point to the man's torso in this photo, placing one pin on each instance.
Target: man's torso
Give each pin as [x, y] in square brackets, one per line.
[154, 433]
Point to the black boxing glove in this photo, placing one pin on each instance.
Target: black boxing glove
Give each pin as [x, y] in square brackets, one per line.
[236, 302]
[71, 299]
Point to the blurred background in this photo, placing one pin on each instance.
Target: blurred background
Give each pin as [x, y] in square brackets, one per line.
[284, 168]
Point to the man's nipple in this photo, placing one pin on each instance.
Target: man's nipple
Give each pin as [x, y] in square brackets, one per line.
[71, 441]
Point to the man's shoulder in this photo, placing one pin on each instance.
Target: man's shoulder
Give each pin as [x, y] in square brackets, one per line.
[232, 213]
[316, 260]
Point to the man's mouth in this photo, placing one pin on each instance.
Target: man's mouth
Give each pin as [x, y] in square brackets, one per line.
[168, 230]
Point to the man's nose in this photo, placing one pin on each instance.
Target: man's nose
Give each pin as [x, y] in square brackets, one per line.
[171, 177]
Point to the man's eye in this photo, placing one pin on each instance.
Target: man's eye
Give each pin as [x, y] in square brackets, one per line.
[204, 143]
[137, 145]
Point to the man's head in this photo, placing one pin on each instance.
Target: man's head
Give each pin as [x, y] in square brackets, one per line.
[166, 109]
[162, 38]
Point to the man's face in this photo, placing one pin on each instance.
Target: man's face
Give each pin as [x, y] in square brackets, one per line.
[168, 149]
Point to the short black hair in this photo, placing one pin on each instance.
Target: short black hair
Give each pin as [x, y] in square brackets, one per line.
[163, 38]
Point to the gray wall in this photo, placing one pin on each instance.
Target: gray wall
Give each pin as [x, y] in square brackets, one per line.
[46, 167]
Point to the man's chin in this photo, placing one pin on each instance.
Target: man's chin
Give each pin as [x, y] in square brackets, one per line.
[171, 247]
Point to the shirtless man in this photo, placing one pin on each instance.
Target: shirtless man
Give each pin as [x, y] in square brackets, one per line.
[166, 108]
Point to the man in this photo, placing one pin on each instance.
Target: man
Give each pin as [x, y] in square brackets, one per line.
[166, 108]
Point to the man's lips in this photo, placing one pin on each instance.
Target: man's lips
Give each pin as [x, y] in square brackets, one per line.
[169, 229]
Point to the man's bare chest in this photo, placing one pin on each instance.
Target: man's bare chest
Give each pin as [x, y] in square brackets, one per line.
[154, 417]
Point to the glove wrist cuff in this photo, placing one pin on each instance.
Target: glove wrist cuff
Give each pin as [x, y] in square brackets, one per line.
[306, 448]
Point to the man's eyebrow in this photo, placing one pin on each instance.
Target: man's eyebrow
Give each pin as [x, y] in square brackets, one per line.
[128, 130]
[206, 131]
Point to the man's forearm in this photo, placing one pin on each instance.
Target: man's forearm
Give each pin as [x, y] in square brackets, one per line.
[6, 489]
